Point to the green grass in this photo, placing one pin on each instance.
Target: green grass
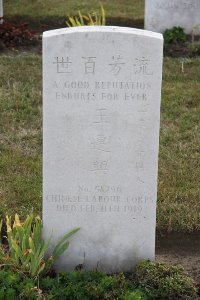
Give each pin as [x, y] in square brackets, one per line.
[179, 161]
[43, 9]
[179, 167]
[20, 124]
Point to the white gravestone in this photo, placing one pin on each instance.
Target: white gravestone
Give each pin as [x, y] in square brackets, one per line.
[165, 14]
[1, 11]
[102, 90]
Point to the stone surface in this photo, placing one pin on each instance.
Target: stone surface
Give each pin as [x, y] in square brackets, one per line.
[1, 11]
[161, 14]
[102, 89]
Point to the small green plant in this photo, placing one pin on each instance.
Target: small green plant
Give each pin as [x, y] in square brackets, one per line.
[89, 286]
[16, 286]
[26, 247]
[164, 282]
[90, 19]
[174, 35]
[136, 295]
[153, 282]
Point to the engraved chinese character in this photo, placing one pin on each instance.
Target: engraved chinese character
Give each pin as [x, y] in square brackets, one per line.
[140, 180]
[116, 66]
[63, 65]
[141, 126]
[89, 64]
[101, 116]
[101, 143]
[140, 153]
[141, 119]
[142, 66]
[100, 165]
[143, 107]
[139, 166]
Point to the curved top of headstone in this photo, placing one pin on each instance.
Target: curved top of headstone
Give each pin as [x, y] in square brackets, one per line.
[108, 29]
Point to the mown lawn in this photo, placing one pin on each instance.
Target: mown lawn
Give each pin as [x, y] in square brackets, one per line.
[43, 9]
[179, 164]
[179, 161]
[20, 134]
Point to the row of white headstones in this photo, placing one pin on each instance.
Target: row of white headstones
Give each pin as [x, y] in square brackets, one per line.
[162, 14]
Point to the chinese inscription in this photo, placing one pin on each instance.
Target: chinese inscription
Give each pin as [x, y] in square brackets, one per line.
[63, 65]
[141, 65]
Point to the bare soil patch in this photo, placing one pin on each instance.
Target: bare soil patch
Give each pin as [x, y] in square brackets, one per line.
[180, 249]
